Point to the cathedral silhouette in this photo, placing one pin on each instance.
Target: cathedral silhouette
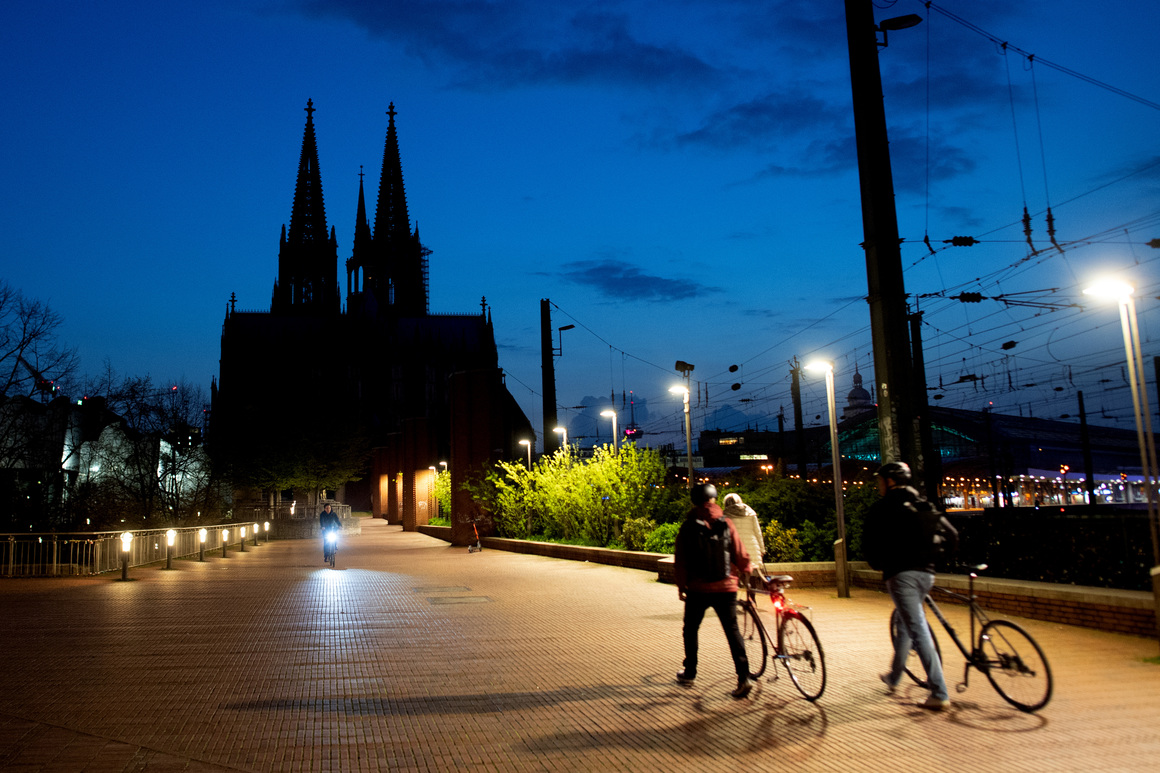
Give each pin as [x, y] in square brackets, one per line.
[309, 382]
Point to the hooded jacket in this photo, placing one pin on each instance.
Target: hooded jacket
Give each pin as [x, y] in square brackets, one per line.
[699, 518]
[748, 526]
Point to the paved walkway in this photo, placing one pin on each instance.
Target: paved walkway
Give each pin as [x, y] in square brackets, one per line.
[416, 656]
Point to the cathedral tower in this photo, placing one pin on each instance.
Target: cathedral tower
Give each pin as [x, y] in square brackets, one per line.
[307, 280]
[390, 273]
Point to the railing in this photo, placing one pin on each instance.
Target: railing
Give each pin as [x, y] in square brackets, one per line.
[85, 553]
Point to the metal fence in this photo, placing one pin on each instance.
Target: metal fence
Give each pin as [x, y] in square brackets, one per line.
[58, 554]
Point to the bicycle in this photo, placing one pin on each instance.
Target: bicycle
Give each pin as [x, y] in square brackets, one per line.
[330, 540]
[797, 645]
[1006, 654]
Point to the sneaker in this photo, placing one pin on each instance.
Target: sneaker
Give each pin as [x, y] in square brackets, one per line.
[886, 681]
[684, 677]
[744, 686]
[935, 704]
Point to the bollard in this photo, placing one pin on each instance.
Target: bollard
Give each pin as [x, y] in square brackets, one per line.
[267, 527]
[225, 539]
[170, 535]
[201, 534]
[126, 539]
[242, 541]
[255, 535]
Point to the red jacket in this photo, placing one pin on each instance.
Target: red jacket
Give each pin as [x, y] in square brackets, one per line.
[739, 558]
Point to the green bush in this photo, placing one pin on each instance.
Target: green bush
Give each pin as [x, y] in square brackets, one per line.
[781, 545]
[662, 539]
[635, 532]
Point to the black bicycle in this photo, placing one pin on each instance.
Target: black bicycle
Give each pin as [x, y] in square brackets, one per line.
[1006, 654]
[797, 645]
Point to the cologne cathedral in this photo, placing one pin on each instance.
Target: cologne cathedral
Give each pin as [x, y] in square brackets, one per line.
[310, 382]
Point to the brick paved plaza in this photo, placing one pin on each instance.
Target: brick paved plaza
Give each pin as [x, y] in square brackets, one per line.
[416, 656]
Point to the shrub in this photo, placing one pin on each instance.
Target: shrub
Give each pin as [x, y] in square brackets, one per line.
[781, 544]
[635, 532]
[662, 539]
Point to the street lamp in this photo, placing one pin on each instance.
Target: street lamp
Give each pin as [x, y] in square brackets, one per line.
[1122, 293]
[170, 536]
[611, 414]
[680, 390]
[126, 542]
[528, 443]
[836, 458]
[201, 535]
[563, 431]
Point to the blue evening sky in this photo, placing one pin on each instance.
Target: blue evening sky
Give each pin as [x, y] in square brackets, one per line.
[678, 177]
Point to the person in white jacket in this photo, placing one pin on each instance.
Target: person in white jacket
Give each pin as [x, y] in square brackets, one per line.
[748, 529]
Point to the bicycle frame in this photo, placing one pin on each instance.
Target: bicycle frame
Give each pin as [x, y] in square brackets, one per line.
[972, 657]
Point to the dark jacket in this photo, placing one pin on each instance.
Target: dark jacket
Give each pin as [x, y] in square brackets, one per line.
[699, 518]
[894, 536]
[329, 521]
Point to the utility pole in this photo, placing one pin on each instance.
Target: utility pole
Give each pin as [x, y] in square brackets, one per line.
[799, 432]
[548, 364]
[897, 430]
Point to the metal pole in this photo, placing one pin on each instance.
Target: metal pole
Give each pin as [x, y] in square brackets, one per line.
[1145, 438]
[886, 293]
[688, 436]
[841, 572]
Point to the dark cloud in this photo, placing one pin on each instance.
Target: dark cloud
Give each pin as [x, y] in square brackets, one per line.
[624, 281]
[502, 45]
[764, 121]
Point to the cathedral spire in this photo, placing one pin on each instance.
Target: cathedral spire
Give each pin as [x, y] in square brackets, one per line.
[307, 254]
[391, 217]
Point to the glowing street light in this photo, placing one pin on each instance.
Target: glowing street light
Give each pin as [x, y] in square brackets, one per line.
[611, 414]
[242, 541]
[225, 541]
[843, 578]
[201, 535]
[680, 390]
[266, 529]
[1122, 293]
[170, 536]
[563, 431]
[126, 542]
[528, 443]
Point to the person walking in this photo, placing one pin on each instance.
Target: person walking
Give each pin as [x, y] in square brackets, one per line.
[897, 540]
[709, 557]
[748, 529]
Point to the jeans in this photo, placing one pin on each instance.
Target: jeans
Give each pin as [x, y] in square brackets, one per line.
[908, 589]
[725, 605]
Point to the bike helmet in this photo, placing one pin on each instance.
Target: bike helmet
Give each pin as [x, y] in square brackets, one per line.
[703, 493]
[899, 472]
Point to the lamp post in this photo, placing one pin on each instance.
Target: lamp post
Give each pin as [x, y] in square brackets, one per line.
[612, 415]
[170, 536]
[266, 530]
[843, 577]
[225, 540]
[126, 541]
[242, 541]
[528, 443]
[201, 535]
[684, 390]
[564, 440]
[1122, 293]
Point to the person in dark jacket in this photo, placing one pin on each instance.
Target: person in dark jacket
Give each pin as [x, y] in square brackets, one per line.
[328, 520]
[896, 542]
[700, 591]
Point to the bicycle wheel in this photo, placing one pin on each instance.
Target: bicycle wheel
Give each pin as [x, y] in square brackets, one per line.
[913, 665]
[801, 652]
[333, 555]
[1014, 665]
[754, 637]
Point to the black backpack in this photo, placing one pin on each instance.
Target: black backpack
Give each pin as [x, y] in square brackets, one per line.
[709, 550]
[939, 537]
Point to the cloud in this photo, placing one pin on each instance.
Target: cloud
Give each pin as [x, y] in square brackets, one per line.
[491, 45]
[624, 281]
[764, 121]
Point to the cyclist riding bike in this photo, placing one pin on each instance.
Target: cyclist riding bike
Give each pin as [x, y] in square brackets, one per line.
[328, 522]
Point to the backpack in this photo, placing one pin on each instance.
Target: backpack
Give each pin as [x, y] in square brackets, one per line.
[939, 537]
[709, 550]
